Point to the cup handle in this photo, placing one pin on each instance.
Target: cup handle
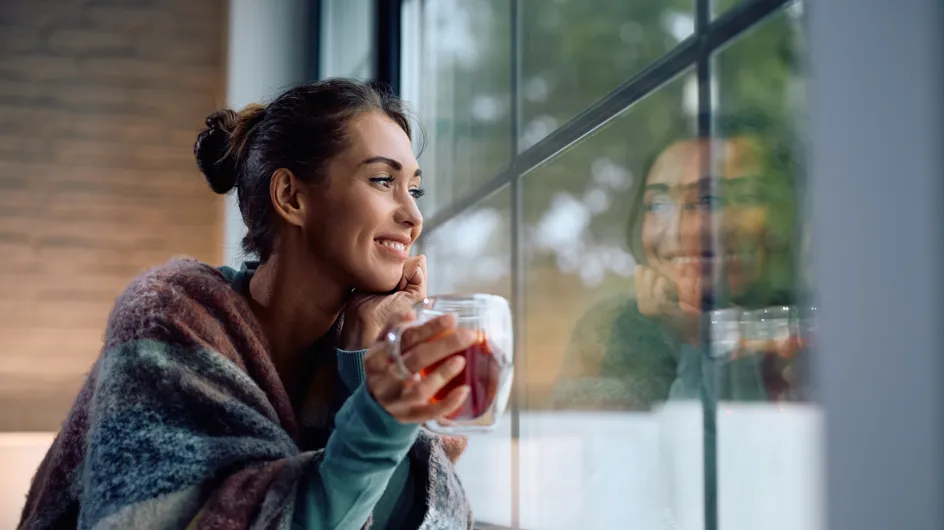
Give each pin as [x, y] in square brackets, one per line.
[393, 339]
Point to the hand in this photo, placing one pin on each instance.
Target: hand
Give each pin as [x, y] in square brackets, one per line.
[657, 295]
[659, 298]
[367, 313]
[421, 347]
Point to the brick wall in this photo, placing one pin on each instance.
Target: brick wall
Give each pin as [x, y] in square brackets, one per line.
[100, 102]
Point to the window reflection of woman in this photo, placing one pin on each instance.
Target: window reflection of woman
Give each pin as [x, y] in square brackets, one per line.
[631, 353]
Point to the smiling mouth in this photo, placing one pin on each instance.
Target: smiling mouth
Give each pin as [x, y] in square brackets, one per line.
[394, 245]
[730, 257]
[395, 250]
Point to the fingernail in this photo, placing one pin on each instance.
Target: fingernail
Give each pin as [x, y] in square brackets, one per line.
[467, 335]
[457, 362]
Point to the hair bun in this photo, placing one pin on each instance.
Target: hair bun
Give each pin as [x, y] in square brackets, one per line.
[212, 150]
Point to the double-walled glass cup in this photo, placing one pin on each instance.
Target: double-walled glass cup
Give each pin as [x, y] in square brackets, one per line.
[489, 367]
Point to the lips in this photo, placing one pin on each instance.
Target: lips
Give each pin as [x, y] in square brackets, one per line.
[730, 257]
[395, 246]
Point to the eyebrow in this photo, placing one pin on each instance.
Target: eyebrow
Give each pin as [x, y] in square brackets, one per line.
[657, 187]
[727, 183]
[390, 162]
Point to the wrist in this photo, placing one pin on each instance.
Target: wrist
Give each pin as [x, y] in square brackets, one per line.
[355, 335]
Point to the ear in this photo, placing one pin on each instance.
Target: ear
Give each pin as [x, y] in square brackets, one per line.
[286, 193]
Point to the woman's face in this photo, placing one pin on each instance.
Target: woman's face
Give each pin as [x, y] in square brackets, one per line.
[680, 209]
[365, 218]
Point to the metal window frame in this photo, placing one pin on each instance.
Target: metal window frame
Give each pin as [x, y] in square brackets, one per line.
[313, 65]
[711, 34]
[388, 25]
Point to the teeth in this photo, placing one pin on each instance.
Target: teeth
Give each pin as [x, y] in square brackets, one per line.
[394, 245]
[691, 260]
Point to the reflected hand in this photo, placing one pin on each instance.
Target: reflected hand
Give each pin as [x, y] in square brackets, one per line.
[657, 297]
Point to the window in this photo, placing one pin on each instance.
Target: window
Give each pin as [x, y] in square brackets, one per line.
[630, 174]
[463, 92]
[573, 53]
[472, 253]
[340, 54]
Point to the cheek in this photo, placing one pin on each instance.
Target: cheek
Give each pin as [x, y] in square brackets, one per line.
[650, 234]
[356, 219]
[334, 232]
[748, 225]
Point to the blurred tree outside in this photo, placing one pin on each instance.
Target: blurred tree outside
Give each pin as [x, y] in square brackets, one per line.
[573, 52]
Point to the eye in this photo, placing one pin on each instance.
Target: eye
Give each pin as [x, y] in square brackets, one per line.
[660, 204]
[712, 202]
[385, 181]
[417, 192]
[706, 202]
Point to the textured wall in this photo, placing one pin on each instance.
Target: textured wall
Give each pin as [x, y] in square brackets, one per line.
[100, 102]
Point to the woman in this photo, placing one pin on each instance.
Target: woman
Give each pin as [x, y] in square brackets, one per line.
[263, 398]
[629, 353]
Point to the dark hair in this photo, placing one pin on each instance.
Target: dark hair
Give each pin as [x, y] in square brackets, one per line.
[300, 130]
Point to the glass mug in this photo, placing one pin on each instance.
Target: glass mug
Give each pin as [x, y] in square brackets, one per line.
[769, 336]
[489, 367]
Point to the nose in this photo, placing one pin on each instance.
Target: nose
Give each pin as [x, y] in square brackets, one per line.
[670, 229]
[408, 213]
[690, 227]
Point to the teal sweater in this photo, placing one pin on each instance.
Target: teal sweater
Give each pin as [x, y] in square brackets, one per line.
[365, 470]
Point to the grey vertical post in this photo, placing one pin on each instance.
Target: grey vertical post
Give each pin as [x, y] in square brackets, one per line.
[877, 146]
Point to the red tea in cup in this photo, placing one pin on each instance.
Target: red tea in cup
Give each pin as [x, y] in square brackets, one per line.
[481, 374]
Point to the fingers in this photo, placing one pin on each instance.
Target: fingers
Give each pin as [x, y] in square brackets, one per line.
[414, 278]
[690, 292]
[642, 281]
[411, 401]
[414, 412]
[448, 407]
[427, 387]
[428, 331]
[423, 269]
[658, 295]
[398, 320]
[660, 291]
[433, 351]
[378, 356]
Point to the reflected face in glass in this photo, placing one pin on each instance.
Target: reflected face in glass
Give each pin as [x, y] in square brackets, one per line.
[364, 218]
[680, 208]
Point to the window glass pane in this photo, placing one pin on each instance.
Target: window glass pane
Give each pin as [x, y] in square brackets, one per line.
[464, 95]
[472, 254]
[769, 427]
[611, 362]
[575, 51]
[347, 39]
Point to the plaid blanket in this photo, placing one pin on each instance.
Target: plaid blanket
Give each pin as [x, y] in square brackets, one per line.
[183, 422]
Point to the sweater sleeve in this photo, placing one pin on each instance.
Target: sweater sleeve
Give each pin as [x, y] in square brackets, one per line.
[367, 445]
[363, 453]
[351, 367]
